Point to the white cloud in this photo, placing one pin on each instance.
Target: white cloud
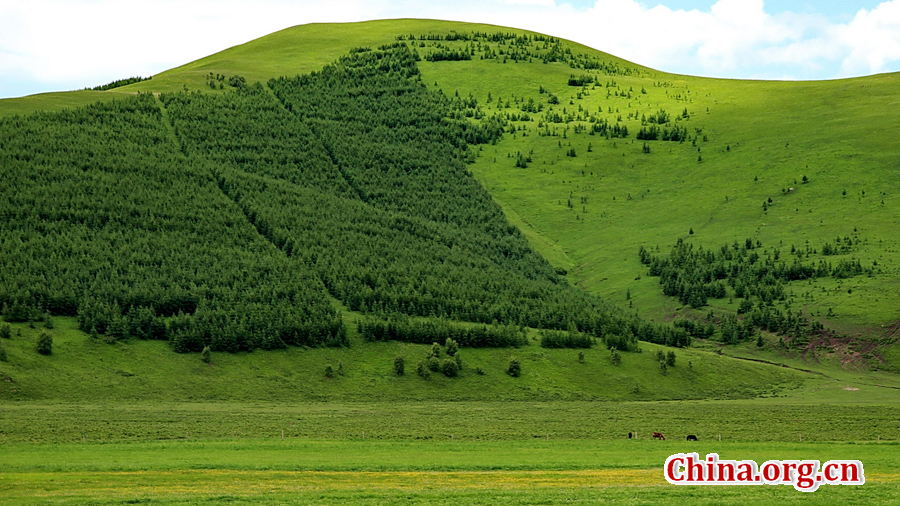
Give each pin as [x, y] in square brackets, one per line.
[871, 40]
[60, 44]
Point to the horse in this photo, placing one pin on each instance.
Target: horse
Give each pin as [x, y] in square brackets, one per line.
[691, 437]
[659, 435]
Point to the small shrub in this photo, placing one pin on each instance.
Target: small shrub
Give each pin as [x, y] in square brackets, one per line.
[615, 356]
[433, 364]
[670, 359]
[3, 357]
[329, 371]
[449, 367]
[660, 355]
[479, 371]
[237, 81]
[5, 331]
[662, 367]
[423, 371]
[435, 350]
[581, 357]
[340, 369]
[450, 347]
[458, 360]
[515, 368]
[48, 322]
[399, 366]
[206, 355]
[45, 344]
[636, 389]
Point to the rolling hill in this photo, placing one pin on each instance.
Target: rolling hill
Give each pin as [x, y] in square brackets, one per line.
[350, 183]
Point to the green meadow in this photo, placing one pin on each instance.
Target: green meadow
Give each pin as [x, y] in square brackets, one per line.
[791, 167]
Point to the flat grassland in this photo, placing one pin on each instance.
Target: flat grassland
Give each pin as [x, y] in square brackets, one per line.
[428, 453]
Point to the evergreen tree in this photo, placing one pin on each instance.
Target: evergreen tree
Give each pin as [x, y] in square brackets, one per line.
[514, 368]
[44, 344]
[449, 367]
[450, 347]
[670, 359]
[614, 356]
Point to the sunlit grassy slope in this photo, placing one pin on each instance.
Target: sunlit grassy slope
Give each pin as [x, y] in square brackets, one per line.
[750, 141]
[89, 370]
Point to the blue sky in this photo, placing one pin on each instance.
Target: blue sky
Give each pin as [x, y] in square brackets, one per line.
[52, 45]
[835, 10]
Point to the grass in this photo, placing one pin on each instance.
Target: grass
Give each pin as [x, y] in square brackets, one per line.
[82, 369]
[763, 137]
[733, 421]
[322, 471]
[53, 101]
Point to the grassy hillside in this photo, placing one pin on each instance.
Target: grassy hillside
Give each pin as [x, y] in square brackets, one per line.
[790, 166]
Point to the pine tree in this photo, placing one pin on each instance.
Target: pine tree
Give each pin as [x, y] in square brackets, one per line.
[45, 344]
[615, 357]
[514, 368]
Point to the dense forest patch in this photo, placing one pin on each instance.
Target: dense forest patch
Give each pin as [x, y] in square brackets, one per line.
[229, 220]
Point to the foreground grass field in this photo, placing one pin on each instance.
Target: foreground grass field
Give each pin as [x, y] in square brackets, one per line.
[313, 471]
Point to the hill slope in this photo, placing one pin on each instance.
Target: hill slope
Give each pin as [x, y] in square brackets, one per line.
[796, 168]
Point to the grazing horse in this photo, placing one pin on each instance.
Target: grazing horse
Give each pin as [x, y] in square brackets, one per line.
[691, 437]
[630, 435]
[659, 435]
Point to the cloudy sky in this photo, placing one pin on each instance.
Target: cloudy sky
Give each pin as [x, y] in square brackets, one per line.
[52, 45]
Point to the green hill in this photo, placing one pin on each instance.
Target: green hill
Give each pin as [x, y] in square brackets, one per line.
[251, 208]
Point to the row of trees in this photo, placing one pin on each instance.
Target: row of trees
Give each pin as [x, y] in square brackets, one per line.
[514, 47]
[118, 83]
[425, 331]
